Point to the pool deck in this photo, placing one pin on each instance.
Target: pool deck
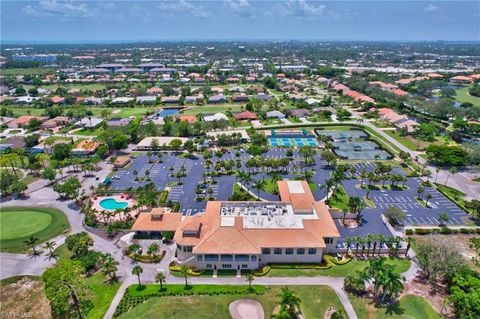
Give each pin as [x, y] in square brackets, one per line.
[117, 217]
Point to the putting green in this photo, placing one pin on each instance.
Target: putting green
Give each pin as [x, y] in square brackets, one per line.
[17, 224]
[20, 224]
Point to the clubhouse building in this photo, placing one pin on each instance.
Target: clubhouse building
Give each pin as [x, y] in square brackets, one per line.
[248, 235]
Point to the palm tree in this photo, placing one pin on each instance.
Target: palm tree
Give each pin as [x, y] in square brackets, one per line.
[289, 302]
[410, 241]
[452, 171]
[153, 249]
[392, 283]
[427, 198]
[50, 245]
[348, 241]
[369, 239]
[250, 279]
[184, 271]
[420, 190]
[329, 184]
[357, 240]
[137, 270]
[31, 242]
[259, 185]
[109, 267]
[443, 218]
[160, 278]
[437, 170]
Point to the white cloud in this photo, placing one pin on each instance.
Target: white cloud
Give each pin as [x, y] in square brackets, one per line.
[239, 7]
[431, 7]
[50, 8]
[183, 7]
[300, 8]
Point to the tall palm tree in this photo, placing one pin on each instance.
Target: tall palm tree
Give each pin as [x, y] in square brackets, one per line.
[392, 283]
[31, 242]
[381, 240]
[369, 239]
[259, 185]
[160, 278]
[184, 271]
[289, 302]
[50, 245]
[109, 267]
[137, 270]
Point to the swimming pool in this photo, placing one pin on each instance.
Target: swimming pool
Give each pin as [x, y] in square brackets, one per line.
[168, 112]
[112, 204]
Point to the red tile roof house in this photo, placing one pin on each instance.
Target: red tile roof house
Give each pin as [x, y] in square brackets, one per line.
[461, 79]
[247, 115]
[399, 120]
[248, 235]
[24, 120]
[299, 112]
[57, 100]
[358, 96]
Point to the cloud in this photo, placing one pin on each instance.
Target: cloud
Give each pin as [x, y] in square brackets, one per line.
[183, 7]
[300, 8]
[240, 8]
[51, 8]
[431, 8]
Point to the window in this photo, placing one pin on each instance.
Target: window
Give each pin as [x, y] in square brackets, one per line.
[289, 251]
[187, 249]
[277, 251]
[226, 266]
[328, 240]
[199, 258]
[226, 257]
[211, 257]
[312, 251]
[254, 258]
[242, 257]
[244, 266]
[300, 251]
[209, 266]
[266, 251]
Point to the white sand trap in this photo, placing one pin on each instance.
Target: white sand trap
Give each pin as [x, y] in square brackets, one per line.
[116, 111]
[246, 309]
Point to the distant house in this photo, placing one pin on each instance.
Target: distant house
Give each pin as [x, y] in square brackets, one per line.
[146, 99]
[399, 120]
[154, 91]
[190, 118]
[93, 101]
[170, 99]
[312, 101]
[112, 67]
[461, 79]
[246, 115]
[240, 98]
[193, 98]
[57, 100]
[122, 100]
[217, 90]
[216, 99]
[299, 112]
[263, 97]
[86, 147]
[215, 117]
[89, 122]
[119, 122]
[162, 70]
[55, 122]
[275, 114]
[236, 89]
[13, 142]
[24, 120]
[121, 161]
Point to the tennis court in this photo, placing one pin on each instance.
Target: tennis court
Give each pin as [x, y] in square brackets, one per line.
[342, 135]
[351, 154]
[292, 141]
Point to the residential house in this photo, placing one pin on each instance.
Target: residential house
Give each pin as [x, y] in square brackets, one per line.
[246, 115]
[175, 99]
[24, 120]
[217, 99]
[263, 97]
[275, 114]
[215, 117]
[240, 98]
[89, 122]
[86, 147]
[299, 112]
[146, 99]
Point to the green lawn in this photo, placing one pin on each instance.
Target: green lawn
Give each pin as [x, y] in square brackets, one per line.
[401, 265]
[409, 307]
[213, 109]
[19, 223]
[138, 111]
[340, 200]
[27, 71]
[402, 140]
[463, 96]
[315, 301]
[103, 294]
[89, 132]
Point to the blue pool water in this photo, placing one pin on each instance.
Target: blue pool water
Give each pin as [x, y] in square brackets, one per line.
[112, 204]
[168, 112]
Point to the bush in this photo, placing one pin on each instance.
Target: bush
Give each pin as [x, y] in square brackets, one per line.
[145, 258]
[409, 232]
[261, 271]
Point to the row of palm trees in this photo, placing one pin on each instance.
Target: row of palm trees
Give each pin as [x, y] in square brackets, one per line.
[367, 246]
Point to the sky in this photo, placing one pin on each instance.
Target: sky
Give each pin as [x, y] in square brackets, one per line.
[60, 21]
